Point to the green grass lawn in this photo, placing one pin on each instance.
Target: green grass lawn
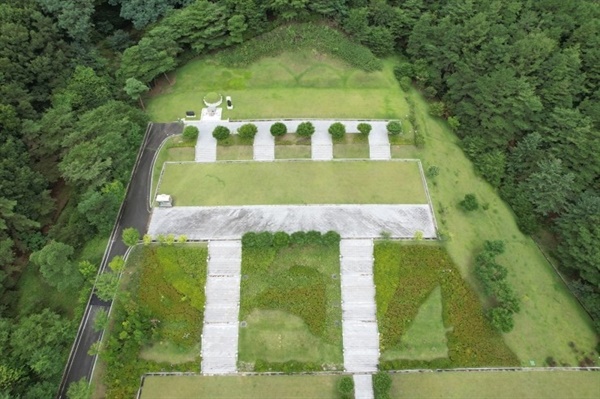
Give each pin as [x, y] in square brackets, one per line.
[260, 183]
[550, 316]
[290, 300]
[351, 151]
[242, 387]
[292, 152]
[423, 326]
[235, 153]
[303, 84]
[497, 385]
[174, 149]
[425, 338]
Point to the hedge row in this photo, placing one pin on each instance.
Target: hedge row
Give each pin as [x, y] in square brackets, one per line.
[282, 239]
[493, 279]
[404, 276]
[291, 366]
[309, 36]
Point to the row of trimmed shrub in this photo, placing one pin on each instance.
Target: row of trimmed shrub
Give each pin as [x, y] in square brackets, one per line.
[492, 276]
[282, 239]
[305, 129]
[291, 366]
[311, 36]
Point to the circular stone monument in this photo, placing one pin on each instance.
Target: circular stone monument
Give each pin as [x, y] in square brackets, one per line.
[212, 100]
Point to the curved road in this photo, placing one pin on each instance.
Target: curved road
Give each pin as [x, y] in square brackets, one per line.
[134, 213]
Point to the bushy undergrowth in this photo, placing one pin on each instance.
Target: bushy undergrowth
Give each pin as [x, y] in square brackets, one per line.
[382, 382]
[163, 300]
[293, 274]
[492, 276]
[309, 35]
[404, 277]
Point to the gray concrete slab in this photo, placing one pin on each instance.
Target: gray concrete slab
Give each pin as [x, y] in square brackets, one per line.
[351, 221]
[220, 332]
[363, 386]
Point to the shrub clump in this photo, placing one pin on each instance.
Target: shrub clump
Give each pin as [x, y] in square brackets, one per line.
[394, 128]
[493, 278]
[364, 128]
[305, 129]
[337, 130]
[469, 203]
[382, 382]
[282, 239]
[247, 131]
[346, 387]
[190, 133]
[221, 133]
[278, 129]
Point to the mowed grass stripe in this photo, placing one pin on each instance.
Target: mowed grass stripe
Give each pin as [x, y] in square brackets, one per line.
[293, 183]
[243, 387]
[495, 385]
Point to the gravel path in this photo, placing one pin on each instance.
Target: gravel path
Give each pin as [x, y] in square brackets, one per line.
[359, 320]
[220, 332]
[350, 221]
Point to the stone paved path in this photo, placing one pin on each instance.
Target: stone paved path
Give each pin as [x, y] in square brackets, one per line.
[264, 144]
[321, 146]
[220, 332]
[206, 146]
[379, 143]
[359, 320]
[351, 221]
[363, 386]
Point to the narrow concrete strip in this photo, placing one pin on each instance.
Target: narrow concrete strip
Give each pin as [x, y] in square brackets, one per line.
[379, 143]
[321, 147]
[220, 332]
[363, 386]
[351, 221]
[206, 146]
[359, 320]
[264, 144]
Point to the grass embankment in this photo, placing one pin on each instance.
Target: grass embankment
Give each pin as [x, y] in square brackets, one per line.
[157, 318]
[303, 84]
[290, 300]
[497, 385]
[261, 183]
[550, 317]
[174, 149]
[245, 387]
[408, 278]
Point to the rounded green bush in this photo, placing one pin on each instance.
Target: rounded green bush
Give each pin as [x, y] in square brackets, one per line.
[298, 238]
[190, 133]
[249, 240]
[281, 239]
[212, 97]
[247, 131]
[469, 203]
[221, 133]
[331, 238]
[264, 239]
[394, 128]
[278, 129]
[337, 130]
[305, 129]
[364, 128]
[346, 385]
[313, 237]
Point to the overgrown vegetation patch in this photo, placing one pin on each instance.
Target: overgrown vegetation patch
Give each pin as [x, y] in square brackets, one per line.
[405, 275]
[290, 296]
[157, 315]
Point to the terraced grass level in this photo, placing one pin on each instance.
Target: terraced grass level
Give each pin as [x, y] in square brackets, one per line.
[293, 183]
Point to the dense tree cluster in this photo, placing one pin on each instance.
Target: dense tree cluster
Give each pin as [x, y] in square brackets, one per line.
[518, 81]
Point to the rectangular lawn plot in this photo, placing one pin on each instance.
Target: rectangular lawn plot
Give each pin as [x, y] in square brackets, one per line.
[242, 387]
[278, 183]
[290, 308]
[426, 311]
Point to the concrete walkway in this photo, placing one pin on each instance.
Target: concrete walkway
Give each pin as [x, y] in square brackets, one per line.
[321, 146]
[264, 144]
[379, 143]
[206, 146]
[351, 221]
[363, 386]
[359, 320]
[220, 332]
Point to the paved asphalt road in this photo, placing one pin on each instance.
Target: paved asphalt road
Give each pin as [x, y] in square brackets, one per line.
[134, 213]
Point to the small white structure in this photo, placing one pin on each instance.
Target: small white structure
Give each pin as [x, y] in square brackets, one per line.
[164, 201]
[229, 103]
